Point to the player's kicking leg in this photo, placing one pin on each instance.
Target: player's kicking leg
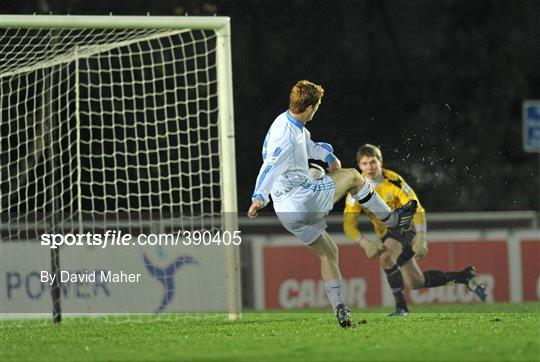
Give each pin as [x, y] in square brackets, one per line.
[350, 180]
[415, 279]
[327, 250]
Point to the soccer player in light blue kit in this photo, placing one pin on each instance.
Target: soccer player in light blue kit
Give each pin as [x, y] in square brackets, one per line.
[301, 202]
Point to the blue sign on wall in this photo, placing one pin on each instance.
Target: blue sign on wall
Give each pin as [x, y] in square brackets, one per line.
[531, 126]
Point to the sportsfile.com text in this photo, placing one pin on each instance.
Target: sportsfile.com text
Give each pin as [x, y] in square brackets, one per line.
[119, 238]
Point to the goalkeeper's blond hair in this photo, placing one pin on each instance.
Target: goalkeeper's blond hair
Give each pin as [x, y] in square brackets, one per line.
[369, 150]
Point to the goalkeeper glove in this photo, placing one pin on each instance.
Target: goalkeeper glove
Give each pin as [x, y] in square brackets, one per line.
[419, 246]
[371, 248]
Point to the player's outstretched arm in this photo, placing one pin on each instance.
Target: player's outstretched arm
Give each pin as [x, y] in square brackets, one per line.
[253, 211]
[275, 163]
[351, 216]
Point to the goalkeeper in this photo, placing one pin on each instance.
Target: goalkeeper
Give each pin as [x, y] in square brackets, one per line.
[301, 202]
[400, 248]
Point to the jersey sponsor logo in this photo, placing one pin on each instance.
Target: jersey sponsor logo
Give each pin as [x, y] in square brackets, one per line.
[310, 293]
[388, 196]
[285, 191]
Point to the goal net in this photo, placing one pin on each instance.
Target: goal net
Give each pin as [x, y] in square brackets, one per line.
[117, 129]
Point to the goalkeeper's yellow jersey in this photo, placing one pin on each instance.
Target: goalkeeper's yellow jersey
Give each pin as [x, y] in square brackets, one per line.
[395, 192]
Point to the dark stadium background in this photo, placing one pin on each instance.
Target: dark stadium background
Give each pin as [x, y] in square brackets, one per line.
[438, 85]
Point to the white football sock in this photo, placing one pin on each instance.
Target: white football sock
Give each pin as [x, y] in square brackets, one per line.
[333, 291]
[371, 200]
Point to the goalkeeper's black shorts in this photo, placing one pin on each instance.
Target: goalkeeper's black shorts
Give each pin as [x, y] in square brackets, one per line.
[405, 238]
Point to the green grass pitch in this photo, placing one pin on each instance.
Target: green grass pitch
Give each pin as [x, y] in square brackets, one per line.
[499, 332]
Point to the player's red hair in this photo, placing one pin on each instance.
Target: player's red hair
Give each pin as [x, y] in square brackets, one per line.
[304, 94]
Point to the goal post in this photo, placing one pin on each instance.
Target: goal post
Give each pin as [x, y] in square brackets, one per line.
[91, 126]
[228, 166]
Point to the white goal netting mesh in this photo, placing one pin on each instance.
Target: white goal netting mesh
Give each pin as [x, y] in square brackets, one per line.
[110, 130]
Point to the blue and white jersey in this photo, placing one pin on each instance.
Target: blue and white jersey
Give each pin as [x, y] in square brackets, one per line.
[286, 150]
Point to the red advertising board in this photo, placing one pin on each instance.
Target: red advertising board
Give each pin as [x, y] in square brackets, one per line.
[292, 278]
[291, 274]
[530, 269]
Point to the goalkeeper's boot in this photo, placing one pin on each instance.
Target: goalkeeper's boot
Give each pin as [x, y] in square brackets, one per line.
[402, 217]
[344, 317]
[399, 312]
[469, 278]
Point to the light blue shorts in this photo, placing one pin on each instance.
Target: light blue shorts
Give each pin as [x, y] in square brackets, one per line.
[303, 212]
